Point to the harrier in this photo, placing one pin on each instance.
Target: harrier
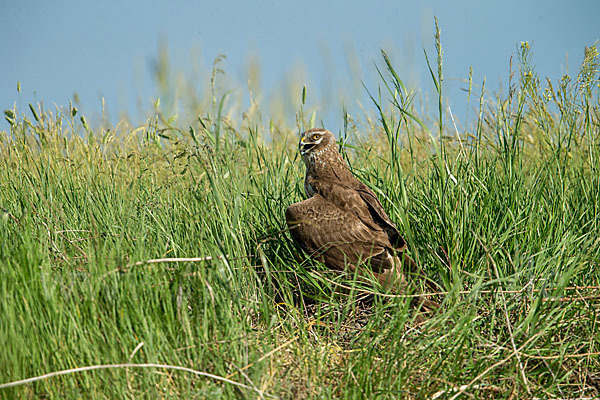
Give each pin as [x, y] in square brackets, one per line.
[342, 223]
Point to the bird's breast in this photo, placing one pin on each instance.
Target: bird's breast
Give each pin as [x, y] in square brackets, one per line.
[308, 189]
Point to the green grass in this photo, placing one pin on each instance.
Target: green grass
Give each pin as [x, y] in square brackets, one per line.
[503, 218]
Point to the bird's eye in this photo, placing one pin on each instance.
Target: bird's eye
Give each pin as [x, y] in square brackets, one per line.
[314, 137]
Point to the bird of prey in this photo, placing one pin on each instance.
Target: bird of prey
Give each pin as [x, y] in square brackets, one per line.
[342, 223]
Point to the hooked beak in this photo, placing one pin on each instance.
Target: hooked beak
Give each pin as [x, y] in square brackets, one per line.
[305, 146]
[301, 145]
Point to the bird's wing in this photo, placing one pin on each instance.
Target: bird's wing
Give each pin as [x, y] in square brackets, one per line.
[355, 197]
[336, 236]
[379, 214]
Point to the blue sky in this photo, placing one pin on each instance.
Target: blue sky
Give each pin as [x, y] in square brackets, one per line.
[106, 49]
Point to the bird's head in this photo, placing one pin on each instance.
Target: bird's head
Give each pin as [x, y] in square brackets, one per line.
[314, 142]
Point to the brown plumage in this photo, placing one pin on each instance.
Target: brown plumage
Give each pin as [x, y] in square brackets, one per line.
[342, 223]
